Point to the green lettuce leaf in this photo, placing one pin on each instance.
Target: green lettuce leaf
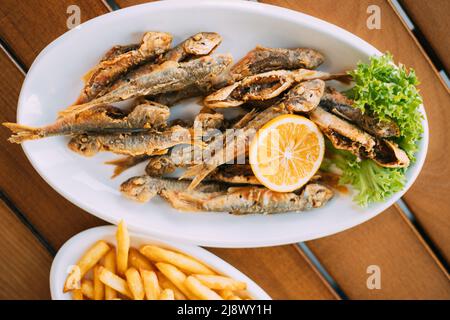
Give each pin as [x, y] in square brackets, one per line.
[388, 92]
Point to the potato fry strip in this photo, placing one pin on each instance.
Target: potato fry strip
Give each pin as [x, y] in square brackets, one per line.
[135, 284]
[220, 282]
[200, 290]
[167, 294]
[77, 294]
[151, 284]
[115, 282]
[228, 295]
[87, 261]
[99, 287]
[123, 245]
[110, 264]
[87, 288]
[139, 261]
[167, 284]
[176, 277]
[179, 260]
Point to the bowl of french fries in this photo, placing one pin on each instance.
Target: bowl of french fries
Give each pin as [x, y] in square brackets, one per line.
[111, 263]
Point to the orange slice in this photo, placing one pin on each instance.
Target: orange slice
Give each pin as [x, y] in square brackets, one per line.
[286, 152]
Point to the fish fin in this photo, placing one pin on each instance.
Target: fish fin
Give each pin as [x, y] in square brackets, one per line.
[76, 108]
[21, 133]
[182, 200]
[123, 164]
[197, 139]
[342, 77]
[245, 119]
[200, 172]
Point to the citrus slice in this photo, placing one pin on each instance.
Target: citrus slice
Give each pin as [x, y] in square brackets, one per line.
[286, 152]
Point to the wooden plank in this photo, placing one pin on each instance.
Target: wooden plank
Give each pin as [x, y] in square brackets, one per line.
[25, 261]
[281, 271]
[128, 3]
[431, 208]
[407, 269]
[54, 216]
[28, 26]
[430, 17]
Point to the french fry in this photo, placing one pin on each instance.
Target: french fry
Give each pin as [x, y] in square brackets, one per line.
[135, 284]
[167, 284]
[228, 295]
[181, 261]
[151, 284]
[200, 290]
[243, 294]
[167, 294]
[115, 282]
[220, 282]
[123, 245]
[77, 294]
[176, 277]
[109, 263]
[87, 261]
[87, 288]
[99, 287]
[139, 261]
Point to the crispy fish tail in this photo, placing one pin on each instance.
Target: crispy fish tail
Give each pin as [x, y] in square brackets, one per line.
[125, 163]
[22, 133]
[199, 171]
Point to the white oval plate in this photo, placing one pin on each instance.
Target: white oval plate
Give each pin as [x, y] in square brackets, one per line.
[54, 82]
[74, 248]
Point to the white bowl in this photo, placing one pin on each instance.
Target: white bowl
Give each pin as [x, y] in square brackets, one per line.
[53, 83]
[74, 248]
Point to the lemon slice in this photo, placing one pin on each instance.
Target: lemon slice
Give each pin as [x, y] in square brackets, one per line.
[286, 152]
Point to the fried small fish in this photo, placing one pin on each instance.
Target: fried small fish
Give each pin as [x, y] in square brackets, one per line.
[200, 44]
[220, 147]
[335, 102]
[133, 144]
[100, 119]
[144, 188]
[122, 59]
[346, 136]
[149, 80]
[262, 59]
[263, 87]
[249, 199]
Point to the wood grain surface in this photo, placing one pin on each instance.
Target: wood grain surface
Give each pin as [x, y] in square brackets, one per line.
[431, 17]
[25, 263]
[275, 270]
[28, 26]
[53, 216]
[389, 242]
[428, 196]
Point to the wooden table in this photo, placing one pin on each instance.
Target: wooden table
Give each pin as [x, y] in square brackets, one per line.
[35, 221]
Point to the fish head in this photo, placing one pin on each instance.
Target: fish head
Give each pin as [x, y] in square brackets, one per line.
[85, 145]
[305, 96]
[202, 43]
[155, 41]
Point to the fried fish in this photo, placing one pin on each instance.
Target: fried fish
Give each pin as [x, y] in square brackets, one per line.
[134, 144]
[100, 119]
[122, 59]
[263, 59]
[150, 80]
